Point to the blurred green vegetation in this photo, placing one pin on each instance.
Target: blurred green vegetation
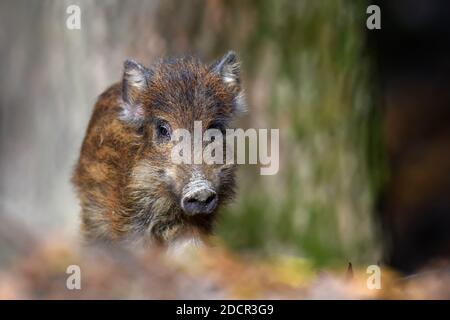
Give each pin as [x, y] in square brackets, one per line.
[306, 72]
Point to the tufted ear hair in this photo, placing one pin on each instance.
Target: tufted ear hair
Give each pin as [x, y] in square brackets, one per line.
[229, 69]
[136, 78]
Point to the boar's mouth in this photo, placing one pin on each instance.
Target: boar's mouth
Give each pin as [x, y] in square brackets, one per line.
[166, 230]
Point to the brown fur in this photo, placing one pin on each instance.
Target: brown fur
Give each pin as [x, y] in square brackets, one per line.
[128, 187]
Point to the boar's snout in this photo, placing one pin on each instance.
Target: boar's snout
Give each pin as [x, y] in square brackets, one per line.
[199, 198]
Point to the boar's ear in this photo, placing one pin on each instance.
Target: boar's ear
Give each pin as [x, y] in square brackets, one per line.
[135, 79]
[228, 68]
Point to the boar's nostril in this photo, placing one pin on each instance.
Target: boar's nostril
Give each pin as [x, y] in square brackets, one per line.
[211, 198]
[202, 201]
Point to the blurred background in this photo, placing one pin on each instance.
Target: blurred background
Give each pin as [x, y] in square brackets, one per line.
[363, 117]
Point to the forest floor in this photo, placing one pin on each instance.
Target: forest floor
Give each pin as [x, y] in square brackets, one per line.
[204, 273]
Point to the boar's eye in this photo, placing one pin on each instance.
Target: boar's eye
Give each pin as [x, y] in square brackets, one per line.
[163, 130]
